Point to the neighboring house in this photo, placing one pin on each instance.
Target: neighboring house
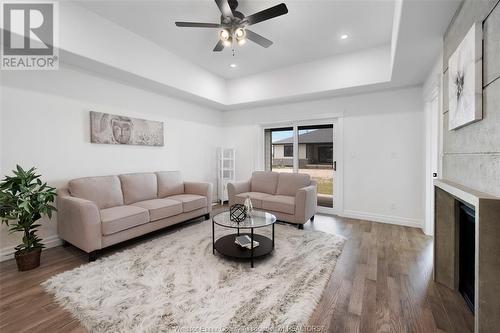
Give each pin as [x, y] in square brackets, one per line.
[315, 150]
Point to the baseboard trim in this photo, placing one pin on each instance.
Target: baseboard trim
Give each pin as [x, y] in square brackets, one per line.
[7, 253]
[403, 221]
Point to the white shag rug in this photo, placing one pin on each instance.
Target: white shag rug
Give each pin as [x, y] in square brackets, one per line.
[175, 284]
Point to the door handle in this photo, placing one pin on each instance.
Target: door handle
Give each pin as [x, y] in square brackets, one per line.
[334, 165]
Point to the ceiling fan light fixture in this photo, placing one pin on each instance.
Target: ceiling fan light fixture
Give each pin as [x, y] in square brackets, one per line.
[224, 35]
[240, 33]
[233, 24]
[228, 42]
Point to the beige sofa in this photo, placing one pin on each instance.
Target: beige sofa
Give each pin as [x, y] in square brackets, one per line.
[289, 196]
[96, 212]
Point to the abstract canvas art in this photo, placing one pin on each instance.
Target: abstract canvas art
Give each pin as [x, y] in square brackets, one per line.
[113, 129]
[465, 80]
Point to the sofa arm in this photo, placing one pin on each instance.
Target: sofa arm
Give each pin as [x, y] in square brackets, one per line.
[305, 203]
[236, 188]
[79, 222]
[199, 188]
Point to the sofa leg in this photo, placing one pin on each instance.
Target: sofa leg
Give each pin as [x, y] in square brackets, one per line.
[301, 226]
[65, 243]
[312, 218]
[93, 255]
[207, 216]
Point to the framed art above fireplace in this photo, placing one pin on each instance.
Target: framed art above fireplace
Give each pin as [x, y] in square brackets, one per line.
[465, 85]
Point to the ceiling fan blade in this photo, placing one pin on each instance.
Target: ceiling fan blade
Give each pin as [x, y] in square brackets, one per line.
[256, 38]
[197, 25]
[224, 7]
[219, 47]
[267, 14]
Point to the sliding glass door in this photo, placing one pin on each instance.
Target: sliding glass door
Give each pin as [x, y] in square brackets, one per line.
[307, 149]
[315, 145]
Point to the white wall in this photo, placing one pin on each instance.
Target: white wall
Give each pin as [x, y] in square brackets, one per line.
[383, 149]
[46, 124]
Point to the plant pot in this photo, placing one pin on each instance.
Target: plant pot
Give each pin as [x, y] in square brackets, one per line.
[28, 260]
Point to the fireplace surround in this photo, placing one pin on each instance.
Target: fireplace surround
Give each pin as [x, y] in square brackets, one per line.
[453, 226]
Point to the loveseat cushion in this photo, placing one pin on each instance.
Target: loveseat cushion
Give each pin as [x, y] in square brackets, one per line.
[190, 202]
[265, 182]
[290, 183]
[104, 191]
[169, 183]
[255, 197]
[160, 208]
[279, 203]
[116, 219]
[138, 187]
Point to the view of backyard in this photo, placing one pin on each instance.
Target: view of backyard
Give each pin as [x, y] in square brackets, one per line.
[315, 156]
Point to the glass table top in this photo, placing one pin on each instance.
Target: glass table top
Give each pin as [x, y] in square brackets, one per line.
[257, 220]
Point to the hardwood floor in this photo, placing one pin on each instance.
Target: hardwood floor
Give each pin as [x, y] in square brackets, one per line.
[382, 283]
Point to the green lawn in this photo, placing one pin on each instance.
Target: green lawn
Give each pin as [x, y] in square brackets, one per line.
[325, 185]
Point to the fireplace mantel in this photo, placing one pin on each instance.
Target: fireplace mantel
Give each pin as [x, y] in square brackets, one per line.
[448, 195]
[463, 193]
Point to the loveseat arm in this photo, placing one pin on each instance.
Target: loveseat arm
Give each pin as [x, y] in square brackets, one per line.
[78, 222]
[236, 188]
[305, 203]
[200, 188]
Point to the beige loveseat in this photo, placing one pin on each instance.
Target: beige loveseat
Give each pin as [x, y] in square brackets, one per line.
[96, 212]
[289, 196]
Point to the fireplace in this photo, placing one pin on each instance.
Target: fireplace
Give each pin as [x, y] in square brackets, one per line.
[467, 249]
[466, 253]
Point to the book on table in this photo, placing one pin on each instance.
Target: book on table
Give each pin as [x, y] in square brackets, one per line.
[245, 241]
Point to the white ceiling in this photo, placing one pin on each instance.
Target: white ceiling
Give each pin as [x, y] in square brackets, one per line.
[311, 30]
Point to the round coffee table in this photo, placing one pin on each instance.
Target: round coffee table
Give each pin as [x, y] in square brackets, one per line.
[226, 245]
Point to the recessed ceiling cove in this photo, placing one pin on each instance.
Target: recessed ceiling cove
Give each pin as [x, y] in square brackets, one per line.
[310, 30]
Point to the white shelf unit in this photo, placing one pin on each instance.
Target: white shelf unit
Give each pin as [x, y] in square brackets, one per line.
[226, 172]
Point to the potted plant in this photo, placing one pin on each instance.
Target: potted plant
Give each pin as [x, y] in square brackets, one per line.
[24, 199]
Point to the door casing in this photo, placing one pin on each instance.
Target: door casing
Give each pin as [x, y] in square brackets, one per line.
[338, 148]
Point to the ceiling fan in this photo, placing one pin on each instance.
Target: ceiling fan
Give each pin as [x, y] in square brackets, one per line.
[234, 25]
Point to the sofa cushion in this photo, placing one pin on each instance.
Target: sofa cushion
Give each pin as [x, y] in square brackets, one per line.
[138, 187]
[116, 219]
[104, 191]
[190, 202]
[255, 197]
[160, 208]
[265, 182]
[279, 203]
[290, 183]
[169, 183]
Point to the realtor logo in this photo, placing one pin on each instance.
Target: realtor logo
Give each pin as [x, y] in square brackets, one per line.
[29, 34]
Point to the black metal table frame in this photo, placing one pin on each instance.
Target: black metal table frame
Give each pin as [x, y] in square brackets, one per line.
[237, 234]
